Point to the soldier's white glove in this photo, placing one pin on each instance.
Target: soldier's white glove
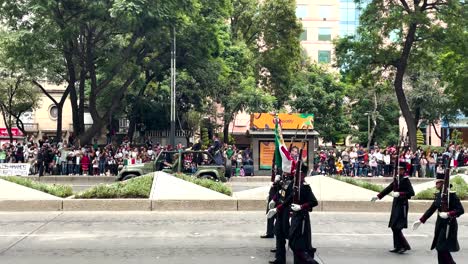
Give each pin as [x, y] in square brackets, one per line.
[375, 198]
[271, 213]
[295, 207]
[395, 194]
[277, 178]
[271, 204]
[443, 215]
[416, 224]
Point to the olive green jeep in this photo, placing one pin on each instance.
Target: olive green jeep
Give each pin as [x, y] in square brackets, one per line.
[198, 164]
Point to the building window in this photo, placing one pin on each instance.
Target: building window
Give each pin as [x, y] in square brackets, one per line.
[53, 112]
[324, 12]
[324, 56]
[301, 11]
[303, 36]
[324, 34]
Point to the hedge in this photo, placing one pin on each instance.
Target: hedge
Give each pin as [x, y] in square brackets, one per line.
[458, 185]
[210, 184]
[139, 187]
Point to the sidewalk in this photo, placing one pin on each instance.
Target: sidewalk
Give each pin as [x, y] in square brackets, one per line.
[324, 188]
[13, 191]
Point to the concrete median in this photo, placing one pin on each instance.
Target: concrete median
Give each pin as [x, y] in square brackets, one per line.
[30, 205]
[107, 205]
[194, 205]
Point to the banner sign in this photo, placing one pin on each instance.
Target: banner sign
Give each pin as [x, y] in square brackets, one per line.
[14, 131]
[267, 150]
[14, 169]
[288, 121]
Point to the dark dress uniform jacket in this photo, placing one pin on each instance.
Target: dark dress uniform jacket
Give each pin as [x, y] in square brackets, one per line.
[300, 232]
[441, 241]
[400, 206]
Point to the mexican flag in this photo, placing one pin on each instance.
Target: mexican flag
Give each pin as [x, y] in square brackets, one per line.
[283, 158]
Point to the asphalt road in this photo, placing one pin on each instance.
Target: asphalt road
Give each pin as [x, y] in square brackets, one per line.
[200, 237]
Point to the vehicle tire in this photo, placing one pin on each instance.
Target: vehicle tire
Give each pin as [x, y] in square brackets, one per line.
[129, 176]
[208, 177]
[228, 172]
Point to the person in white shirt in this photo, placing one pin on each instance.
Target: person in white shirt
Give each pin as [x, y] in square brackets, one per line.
[387, 161]
[380, 163]
[354, 161]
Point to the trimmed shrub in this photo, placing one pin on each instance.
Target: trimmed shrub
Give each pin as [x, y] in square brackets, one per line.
[139, 187]
[458, 185]
[210, 184]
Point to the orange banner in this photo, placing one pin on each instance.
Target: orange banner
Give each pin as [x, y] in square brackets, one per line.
[288, 121]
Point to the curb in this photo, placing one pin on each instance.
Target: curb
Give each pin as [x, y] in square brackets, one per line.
[30, 205]
[416, 206]
[194, 205]
[107, 205]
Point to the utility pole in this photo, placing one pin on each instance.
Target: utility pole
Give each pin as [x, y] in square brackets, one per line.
[173, 87]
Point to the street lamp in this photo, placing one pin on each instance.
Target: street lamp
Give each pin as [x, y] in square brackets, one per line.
[173, 87]
[368, 128]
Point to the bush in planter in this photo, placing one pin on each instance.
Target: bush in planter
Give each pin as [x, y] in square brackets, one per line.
[458, 185]
[139, 187]
[210, 184]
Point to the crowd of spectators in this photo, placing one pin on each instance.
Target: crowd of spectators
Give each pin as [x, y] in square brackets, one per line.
[377, 161]
[68, 158]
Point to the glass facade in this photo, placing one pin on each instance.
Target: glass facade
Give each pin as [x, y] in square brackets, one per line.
[349, 17]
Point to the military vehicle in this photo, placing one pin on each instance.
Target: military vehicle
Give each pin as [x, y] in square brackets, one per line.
[199, 164]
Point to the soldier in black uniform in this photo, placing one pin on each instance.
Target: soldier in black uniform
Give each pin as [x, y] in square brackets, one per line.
[446, 228]
[283, 202]
[271, 203]
[300, 235]
[402, 192]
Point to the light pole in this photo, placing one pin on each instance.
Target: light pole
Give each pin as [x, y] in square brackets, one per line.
[173, 87]
[368, 129]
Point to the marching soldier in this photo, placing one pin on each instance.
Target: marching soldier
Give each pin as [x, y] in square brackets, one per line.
[402, 192]
[300, 235]
[274, 189]
[446, 228]
[282, 202]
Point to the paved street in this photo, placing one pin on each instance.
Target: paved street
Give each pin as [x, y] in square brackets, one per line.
[199, 237]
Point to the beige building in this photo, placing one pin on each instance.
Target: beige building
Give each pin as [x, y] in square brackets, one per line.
[323, 21]
[43, 120]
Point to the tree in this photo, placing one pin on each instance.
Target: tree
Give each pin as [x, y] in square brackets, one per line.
[374, 101]
[17, 95]
[97, 47]
[320, 92]
[396, 35]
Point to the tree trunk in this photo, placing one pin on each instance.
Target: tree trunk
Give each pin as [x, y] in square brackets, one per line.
[58, 135]
[19, 124]
[226, 131]
[398, 85]
[81, 107]
[88, 135]
[131, 127]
